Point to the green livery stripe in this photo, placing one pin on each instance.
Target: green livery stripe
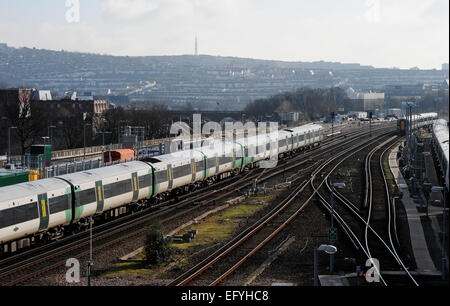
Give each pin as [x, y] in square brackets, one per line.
[68, 215]
[69, 211]
[78, 211]
[156, 188]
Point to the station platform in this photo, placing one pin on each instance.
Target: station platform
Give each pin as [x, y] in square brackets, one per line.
[419, 245]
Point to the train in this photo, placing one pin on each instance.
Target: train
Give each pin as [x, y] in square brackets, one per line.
[418, 121]
[48, 209]
[441, 147]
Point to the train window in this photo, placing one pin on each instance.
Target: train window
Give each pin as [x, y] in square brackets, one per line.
[161, 177]
[17, 215]
[225, 160]
[200, 166]
[145, 181]
[61, 203]
[118, 188]
[182, 171]
[87, 196]
[211, 162]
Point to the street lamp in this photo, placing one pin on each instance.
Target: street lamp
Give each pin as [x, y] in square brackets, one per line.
[45, 138]
[90, 263]
[84, 130]
[335, 185]
[9, 143]
[49, 132]
[103, 145]
[120, 122]
[444, 258]
[329, 249]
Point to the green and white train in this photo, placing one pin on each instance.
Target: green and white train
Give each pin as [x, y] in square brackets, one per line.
[48, 209]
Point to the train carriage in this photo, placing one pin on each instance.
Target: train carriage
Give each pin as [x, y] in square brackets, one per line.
[123, 184]
[441, 146]
[285, 141]
[29, 208]
[182, 168]
[84, 193]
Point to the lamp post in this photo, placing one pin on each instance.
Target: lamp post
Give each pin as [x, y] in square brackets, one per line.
[332, 124]
[444, 258]
[335, 185]
[329, 249]
[118, 131]
[103, 145]
[84, 137]
[49, 132]
[90, 264]
[9, 143]
[45, 139]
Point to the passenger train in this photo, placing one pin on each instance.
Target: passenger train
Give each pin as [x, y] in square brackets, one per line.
[418, 121]
[441, 147]
[48, 209]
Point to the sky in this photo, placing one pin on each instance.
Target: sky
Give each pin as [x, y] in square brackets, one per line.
[381, 33]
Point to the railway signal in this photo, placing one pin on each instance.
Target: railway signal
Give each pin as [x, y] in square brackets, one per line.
[332, 234]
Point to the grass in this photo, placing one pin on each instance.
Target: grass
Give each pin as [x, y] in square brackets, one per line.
[223, 225]
[210, 230]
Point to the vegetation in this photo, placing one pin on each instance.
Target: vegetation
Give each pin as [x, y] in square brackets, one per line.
[313, 103]
[32, 122]
[157, 248]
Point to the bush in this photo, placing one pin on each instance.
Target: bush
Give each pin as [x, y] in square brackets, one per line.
[157, 248]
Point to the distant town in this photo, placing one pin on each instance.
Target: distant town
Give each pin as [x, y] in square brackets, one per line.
[202, 82]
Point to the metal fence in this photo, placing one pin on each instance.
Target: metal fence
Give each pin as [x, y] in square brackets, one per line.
[79, 166]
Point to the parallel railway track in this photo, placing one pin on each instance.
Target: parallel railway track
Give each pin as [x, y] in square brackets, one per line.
[33, 263]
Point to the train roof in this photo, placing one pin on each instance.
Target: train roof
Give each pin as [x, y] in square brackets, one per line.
[31, 188]
[99, 173]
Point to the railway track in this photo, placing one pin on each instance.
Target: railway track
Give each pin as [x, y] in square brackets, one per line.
[380, 219]
[235, 253]
[33, 263]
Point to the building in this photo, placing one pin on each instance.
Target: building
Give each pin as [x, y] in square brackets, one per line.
[42, 95]
[289, 116]
[396, 94]
[89, 107]
[364, 102]
[21, 96]
[358, 115]
[445, 66]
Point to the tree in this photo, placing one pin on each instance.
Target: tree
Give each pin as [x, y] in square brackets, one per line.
[29, 120]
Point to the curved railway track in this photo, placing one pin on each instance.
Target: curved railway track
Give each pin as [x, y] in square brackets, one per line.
[256, 236]
[351, 226]
[35, 262]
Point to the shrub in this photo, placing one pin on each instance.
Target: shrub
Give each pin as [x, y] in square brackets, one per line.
[157, 248]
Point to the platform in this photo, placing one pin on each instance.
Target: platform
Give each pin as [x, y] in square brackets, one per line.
[418, 242]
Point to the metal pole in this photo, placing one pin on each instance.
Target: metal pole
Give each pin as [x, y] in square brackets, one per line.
[332, 206]
[316, 277]
[444, 258]
[103, 149]
[332, 225]
[90, 255]
[331, 263]
[9, 145]
[84, 137]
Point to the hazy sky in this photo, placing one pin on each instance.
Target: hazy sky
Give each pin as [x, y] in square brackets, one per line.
[382, 33]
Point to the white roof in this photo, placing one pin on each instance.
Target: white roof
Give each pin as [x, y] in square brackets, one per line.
[31, 188]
